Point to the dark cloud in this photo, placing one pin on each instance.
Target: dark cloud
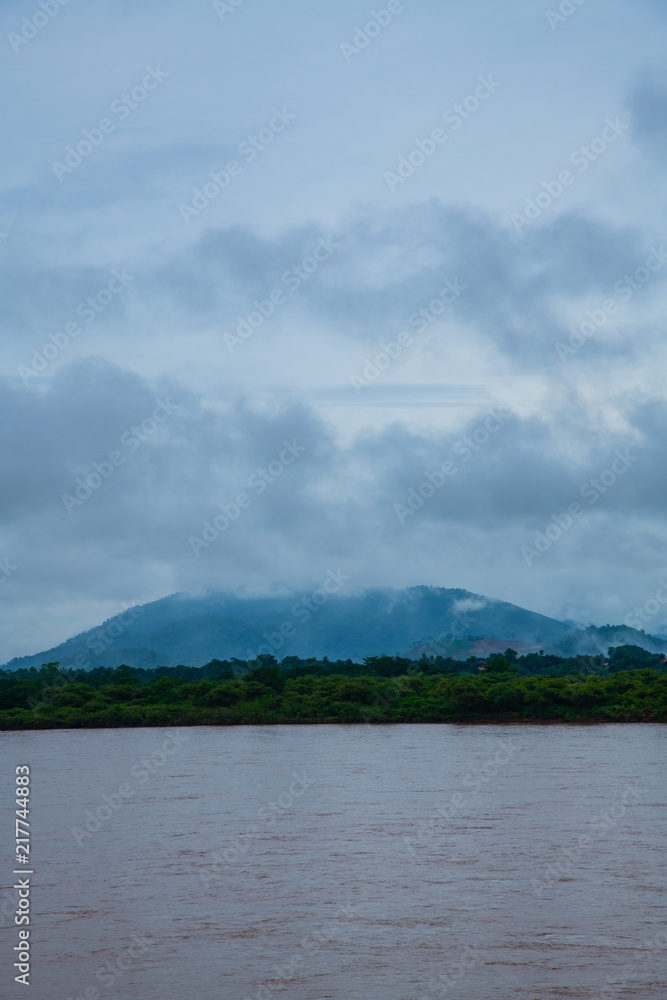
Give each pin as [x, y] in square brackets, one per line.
[332, 502]
[648, 104]
[65, 407]
[520, 293]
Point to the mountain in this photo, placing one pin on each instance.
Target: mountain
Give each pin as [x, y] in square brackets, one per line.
[598, 640]
[461, 649]
[578, 642]
[181, 629]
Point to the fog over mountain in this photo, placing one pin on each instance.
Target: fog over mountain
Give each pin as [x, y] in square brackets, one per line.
[284, 294]
[193, 631]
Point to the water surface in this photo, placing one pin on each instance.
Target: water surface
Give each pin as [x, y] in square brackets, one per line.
[345, 861]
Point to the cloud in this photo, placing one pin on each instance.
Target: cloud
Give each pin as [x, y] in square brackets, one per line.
[468, 604]
[273, 498]
[648, 105]
[251, 340]
[519, 297]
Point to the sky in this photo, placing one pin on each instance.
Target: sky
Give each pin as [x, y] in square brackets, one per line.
[291, 289]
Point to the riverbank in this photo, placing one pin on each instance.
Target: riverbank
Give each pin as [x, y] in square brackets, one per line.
[271, 698]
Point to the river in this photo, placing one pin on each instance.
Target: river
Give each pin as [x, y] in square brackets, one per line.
[385, 863]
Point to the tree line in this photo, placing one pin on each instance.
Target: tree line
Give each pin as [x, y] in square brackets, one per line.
[629, 684]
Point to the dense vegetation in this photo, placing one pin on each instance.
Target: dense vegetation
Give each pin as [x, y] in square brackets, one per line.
[630, 685]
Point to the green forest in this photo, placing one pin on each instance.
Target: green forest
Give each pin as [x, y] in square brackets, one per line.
[628, 685]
